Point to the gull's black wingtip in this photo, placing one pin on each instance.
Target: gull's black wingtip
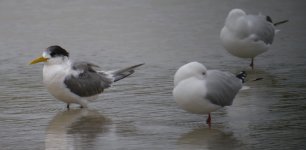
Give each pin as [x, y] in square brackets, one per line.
[280, 22]
[242, 75]
[138, 65]
[269, 19]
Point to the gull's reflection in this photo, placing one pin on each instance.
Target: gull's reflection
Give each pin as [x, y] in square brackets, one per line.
[205, 138]
[75, 128]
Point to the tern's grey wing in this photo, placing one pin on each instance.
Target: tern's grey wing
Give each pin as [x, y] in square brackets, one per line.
[222, 87]
[84, 66]
[260, 28]
[88, 82]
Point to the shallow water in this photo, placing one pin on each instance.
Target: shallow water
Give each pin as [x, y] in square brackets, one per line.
[139, 112]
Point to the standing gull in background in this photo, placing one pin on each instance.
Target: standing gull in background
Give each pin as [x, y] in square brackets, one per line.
[247, 36]
[76, 82]
[201, 91]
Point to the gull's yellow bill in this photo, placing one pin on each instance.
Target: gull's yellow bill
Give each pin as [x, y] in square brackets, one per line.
[39, 59]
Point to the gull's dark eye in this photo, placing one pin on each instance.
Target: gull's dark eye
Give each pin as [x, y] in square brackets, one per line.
[203, 73]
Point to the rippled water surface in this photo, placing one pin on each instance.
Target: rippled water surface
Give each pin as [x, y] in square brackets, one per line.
[139, 112]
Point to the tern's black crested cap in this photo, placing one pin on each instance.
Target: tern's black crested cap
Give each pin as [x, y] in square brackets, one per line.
[56, 50]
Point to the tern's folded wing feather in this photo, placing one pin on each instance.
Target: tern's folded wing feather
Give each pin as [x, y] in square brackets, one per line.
[87, 82]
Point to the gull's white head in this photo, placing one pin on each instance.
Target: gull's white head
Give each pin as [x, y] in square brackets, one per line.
[233, 15]
[52, 55]
[192, 69]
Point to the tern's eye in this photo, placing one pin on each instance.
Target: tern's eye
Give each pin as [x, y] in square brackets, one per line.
[53, 54]
[203, 73]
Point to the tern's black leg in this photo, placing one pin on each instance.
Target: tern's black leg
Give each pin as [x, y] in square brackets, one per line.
[252, 63]
[68, 107]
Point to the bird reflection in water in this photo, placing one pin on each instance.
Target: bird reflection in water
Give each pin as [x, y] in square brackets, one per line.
[75, 128]
[208, 138]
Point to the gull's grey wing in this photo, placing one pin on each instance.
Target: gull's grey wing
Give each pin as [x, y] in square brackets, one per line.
[88, 82]
[222, 87]
[260, 29]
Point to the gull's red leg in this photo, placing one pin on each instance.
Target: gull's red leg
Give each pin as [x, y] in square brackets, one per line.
[208, 121]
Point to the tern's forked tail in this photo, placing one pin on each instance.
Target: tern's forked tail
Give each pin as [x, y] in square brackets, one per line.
[123, 73]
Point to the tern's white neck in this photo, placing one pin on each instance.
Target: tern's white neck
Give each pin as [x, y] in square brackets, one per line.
[56, 69]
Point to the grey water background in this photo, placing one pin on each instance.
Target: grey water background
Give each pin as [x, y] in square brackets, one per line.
[139, 112]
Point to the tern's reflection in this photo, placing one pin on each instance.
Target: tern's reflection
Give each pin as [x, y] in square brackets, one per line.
[75, 128]
[205, 138]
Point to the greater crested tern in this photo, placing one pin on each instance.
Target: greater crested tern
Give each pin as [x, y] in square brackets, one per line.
[201, 91]
[247, 36]
[76, 82]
